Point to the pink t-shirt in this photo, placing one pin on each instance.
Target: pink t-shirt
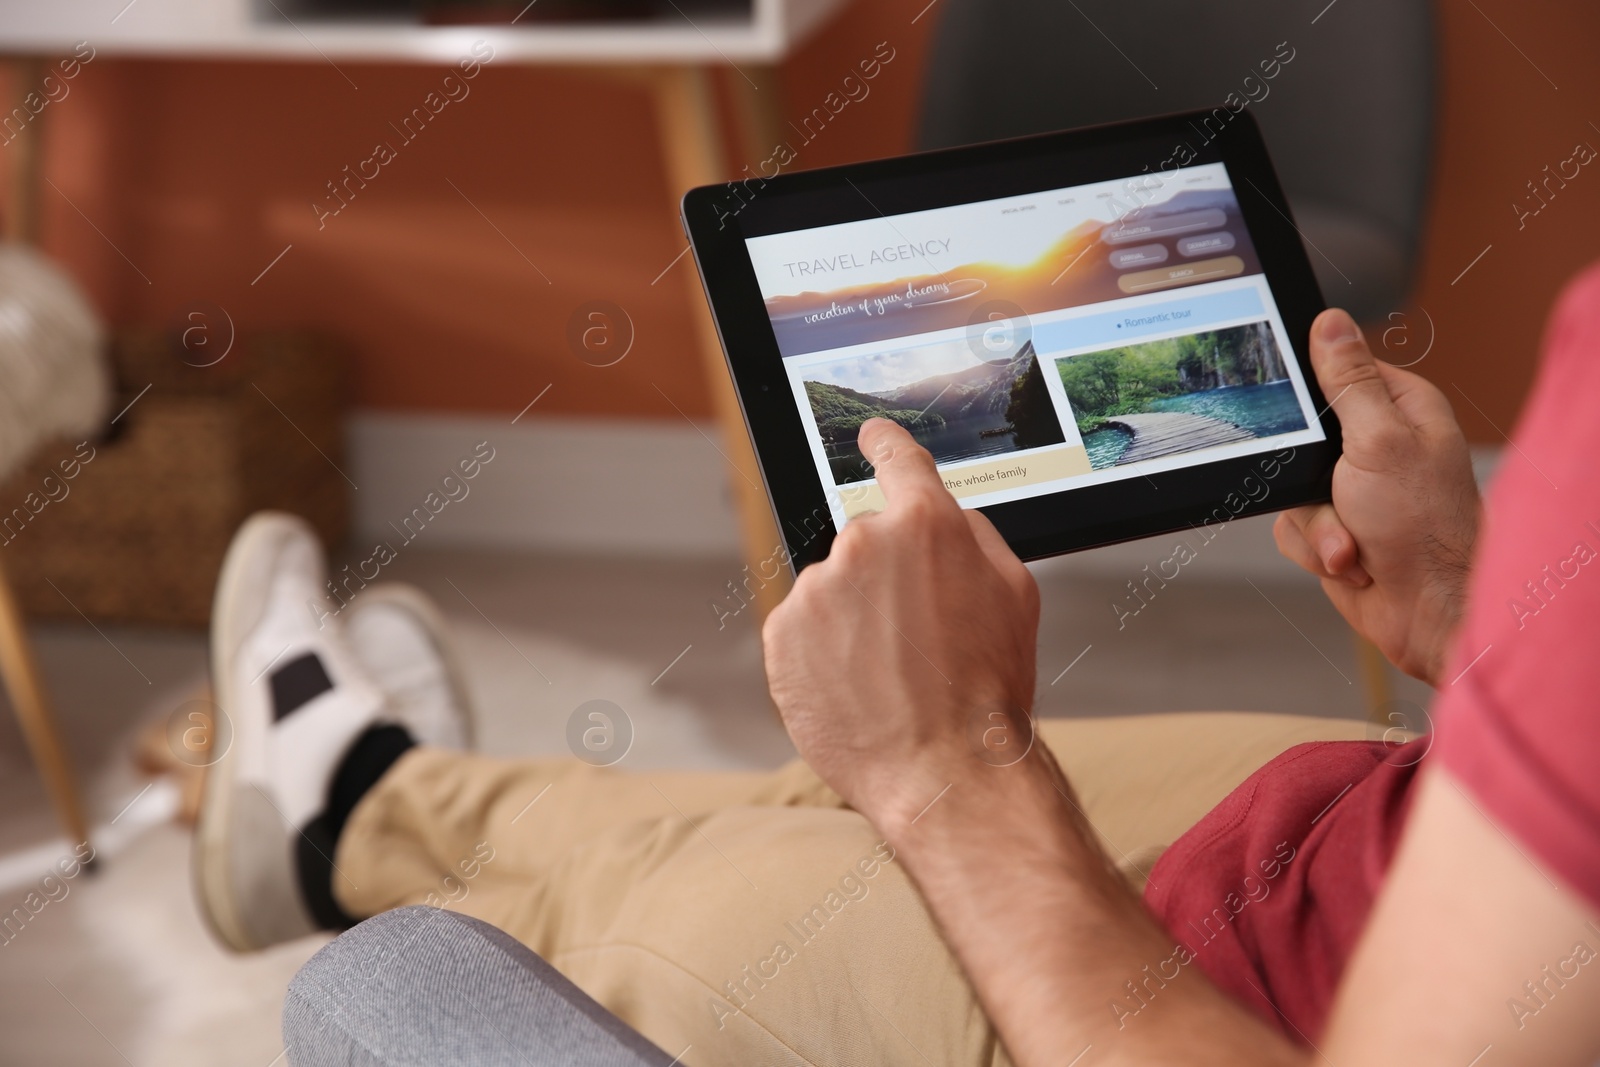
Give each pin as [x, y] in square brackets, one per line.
[1268, 893]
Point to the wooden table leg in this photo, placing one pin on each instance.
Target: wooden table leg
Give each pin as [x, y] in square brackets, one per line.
[18, 668]
[756, 90]
[22, 194]
[1376, 686]
[692, 142]
[25, 687]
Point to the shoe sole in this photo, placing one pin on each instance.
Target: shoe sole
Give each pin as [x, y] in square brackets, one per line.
[229, 626]
[417, 603]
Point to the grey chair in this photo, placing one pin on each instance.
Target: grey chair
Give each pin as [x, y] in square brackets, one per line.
[1348, 120]
[421, 987]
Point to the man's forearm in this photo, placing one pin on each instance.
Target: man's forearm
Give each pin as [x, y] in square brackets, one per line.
[1052, 937]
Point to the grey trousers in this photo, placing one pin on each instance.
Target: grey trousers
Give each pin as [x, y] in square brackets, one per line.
[425, 987]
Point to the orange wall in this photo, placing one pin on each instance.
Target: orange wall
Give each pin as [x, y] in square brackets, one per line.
[201, 173]
[1501, 121]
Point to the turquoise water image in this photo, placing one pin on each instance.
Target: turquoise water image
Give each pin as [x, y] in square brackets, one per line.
[1264, 410]
[1105, 447]
[1261, 410]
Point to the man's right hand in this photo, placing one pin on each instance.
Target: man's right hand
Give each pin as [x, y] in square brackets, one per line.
[1394, 547]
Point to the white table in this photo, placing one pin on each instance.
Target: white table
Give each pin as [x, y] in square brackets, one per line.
[260, 29]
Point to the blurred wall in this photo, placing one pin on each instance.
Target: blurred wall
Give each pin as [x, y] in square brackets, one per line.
[453, 273]
[1516, 95]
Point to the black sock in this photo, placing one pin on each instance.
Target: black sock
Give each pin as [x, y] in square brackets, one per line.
[368, 760]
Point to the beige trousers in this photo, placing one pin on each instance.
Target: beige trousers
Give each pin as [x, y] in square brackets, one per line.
[752, 919]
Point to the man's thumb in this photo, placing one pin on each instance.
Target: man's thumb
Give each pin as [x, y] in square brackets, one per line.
[1348, 373]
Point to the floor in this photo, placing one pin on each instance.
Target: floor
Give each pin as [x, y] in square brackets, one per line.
[117, 968]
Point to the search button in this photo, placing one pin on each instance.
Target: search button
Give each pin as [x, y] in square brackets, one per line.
[1201, 270]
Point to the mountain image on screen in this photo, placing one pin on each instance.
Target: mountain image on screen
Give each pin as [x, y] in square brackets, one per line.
[985, 409]
[1180, 394]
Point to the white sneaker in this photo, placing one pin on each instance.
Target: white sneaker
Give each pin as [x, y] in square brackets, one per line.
[296, 696]
[400, 640]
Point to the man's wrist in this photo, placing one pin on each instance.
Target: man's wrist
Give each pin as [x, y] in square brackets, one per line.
[1026, 804]
[971, 760]
[1447, 606]
[1451, 559]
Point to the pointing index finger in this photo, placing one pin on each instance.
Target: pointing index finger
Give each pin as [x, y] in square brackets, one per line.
[901, 466]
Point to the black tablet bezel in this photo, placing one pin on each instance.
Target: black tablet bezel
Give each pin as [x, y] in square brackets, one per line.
[718, 219]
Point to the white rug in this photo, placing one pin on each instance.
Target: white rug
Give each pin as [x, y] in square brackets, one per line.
[524, 711]
[201, 1005]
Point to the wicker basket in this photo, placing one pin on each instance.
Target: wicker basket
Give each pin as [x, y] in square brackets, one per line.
[138, 533]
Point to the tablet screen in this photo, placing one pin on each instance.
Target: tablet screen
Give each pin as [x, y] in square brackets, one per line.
[1037, 343]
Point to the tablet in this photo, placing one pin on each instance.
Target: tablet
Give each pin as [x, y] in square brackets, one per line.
[1099, 334]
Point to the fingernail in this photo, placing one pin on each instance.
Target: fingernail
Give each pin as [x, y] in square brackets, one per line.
[1329, 546]
[1335, 325]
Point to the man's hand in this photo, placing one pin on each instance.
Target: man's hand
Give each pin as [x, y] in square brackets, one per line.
[1394, 547]
[920, 623]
